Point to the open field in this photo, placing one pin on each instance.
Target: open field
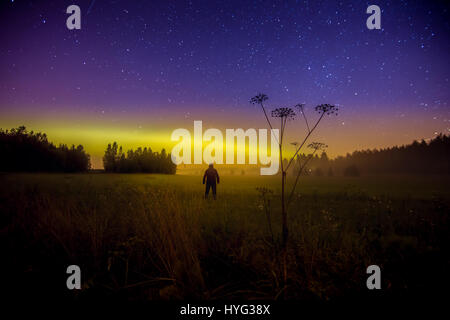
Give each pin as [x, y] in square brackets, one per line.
[139, 237]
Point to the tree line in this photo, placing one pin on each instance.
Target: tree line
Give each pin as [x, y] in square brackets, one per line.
[139, 160]
[422, 157]
[28, 151]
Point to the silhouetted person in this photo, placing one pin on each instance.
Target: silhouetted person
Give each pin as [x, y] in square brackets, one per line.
[211, 176]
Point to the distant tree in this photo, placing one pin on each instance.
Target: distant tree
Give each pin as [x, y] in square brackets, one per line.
[318, 172]
[26, 151]
[139, 160]
[110, 158]
[415, 158]
[330, 172]
[351, 171]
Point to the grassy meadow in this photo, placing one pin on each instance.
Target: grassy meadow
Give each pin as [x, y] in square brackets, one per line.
[154, 237]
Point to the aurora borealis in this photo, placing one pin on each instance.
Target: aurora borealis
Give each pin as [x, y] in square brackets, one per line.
[137, 70]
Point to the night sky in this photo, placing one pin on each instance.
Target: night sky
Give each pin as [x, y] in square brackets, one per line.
[137, 70]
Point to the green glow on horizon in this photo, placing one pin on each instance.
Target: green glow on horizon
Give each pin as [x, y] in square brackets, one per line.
[94, 131]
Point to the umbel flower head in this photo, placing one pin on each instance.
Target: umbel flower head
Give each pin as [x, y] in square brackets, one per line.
[300, 107]
[327, 108]
[283, 113]
[317, 146]
[259, 98]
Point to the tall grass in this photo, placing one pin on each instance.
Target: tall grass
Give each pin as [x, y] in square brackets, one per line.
[148, 240]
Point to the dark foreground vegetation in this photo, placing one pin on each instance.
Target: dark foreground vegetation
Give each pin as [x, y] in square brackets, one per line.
[27, 151]
[152, 237]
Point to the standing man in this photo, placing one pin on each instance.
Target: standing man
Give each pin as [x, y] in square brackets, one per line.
[211, 176]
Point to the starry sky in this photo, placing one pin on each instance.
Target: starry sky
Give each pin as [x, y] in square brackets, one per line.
[137, 70]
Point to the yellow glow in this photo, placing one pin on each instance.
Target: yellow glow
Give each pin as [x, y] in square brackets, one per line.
[94, 131]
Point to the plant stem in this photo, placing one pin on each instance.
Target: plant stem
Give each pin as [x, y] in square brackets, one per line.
[267, 118]
[304, 140]
[298, 176]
